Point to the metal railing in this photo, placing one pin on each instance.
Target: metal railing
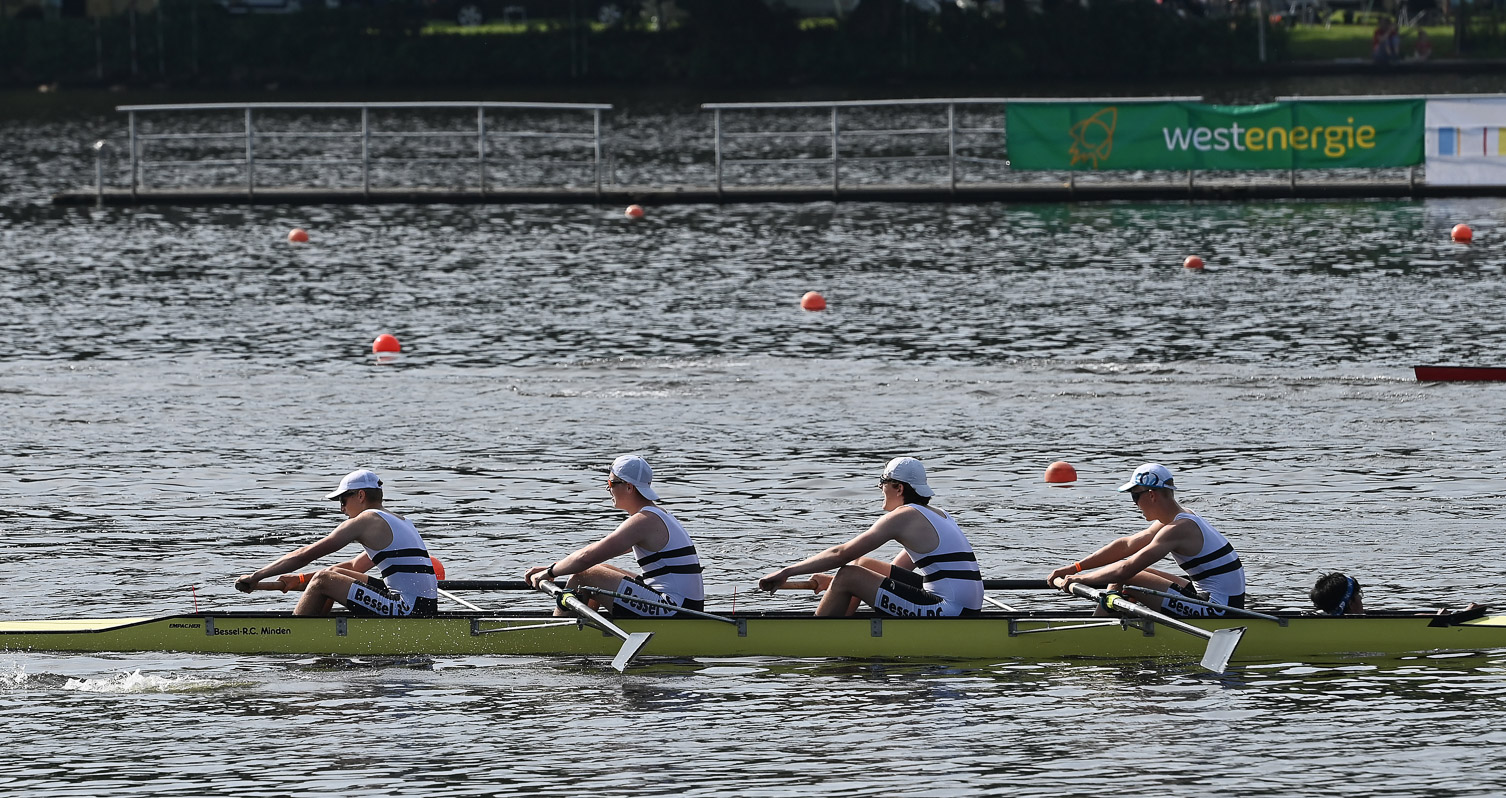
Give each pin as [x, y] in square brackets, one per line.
[950, 133]
[482, 136]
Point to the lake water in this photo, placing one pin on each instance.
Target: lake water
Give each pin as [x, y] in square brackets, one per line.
[181, 387]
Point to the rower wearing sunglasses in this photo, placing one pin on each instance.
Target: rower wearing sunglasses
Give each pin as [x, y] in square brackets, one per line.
[671, 575]
[407, 586]
[935, 573]
[1213, 572]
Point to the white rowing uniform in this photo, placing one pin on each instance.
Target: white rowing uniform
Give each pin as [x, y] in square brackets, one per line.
[949, 582]
[1217, 574]
[671, 575]
[408, 583]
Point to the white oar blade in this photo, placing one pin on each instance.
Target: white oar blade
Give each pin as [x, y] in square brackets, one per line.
[630, 648]
[1221, 648]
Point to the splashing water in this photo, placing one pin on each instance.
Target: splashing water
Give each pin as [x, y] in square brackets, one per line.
[137, 682]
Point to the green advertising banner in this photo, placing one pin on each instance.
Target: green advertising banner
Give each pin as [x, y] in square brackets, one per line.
[1326, 134]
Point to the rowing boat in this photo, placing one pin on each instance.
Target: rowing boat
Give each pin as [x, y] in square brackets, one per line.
[988, 636]
[1460, 373]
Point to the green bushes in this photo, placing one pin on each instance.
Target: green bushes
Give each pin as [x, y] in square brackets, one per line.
[720, 42]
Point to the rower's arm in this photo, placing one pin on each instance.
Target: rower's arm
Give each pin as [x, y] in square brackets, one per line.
[343, 535]
[629, 533]
[838, 555]
[1162, 540]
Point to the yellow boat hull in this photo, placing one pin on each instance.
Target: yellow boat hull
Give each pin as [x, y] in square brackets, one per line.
[986, 637]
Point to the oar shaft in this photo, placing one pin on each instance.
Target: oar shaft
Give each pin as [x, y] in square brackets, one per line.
[1116, 602]
[581, 608]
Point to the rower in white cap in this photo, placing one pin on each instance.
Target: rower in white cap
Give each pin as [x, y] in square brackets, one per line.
[1214, 573]
[407, 586]
[934, 575]
[671, 575]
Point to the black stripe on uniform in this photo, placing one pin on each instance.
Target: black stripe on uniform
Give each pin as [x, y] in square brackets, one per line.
[961, 556]
[673, 569]
[426, 568]
[1228, 548]
[390, 553]
[683, 551]
[1233, 565]
[937, 576]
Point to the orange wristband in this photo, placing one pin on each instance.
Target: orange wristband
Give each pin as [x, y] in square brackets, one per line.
[1078, 566]
[303, 579]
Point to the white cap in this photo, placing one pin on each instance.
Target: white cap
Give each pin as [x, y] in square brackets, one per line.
[909, 471]
[1150, 475]
[634, 470]
[356, 480]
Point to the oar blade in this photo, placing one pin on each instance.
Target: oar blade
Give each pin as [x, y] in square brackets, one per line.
[1221, 648]
[630, 648]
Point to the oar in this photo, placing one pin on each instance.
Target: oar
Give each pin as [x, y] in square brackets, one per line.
[631, 643]
[601, 591]
[988, 584]
[1221, 643]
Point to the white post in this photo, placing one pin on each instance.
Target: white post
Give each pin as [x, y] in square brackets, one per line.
[951, 143]
[250, 158]
[716, 116]
[481, 145]
[835, 170]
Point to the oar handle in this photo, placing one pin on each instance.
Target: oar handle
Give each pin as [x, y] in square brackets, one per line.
[284, 583]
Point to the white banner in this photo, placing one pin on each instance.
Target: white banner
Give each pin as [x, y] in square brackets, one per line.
[1466, 142]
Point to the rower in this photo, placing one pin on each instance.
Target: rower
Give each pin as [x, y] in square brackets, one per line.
[935, 573]
[407, 586]
[671, 575]
[1214, 573]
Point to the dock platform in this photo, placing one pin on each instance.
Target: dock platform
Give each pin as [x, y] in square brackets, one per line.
[700, 195]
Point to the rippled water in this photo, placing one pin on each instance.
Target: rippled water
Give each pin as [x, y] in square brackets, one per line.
[182, 386]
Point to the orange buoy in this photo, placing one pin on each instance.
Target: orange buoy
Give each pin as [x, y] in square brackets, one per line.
[1192, 262]
[438, 567]
[1462, 234]
[298, 235]
[386, 343]
[1060, 471]
[813, 301]
[634, 212]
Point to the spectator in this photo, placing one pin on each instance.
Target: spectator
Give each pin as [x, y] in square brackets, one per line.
[1423, 49]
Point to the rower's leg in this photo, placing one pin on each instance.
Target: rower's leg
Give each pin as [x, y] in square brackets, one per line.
[326, 587]
[852, 583]
[606, 577]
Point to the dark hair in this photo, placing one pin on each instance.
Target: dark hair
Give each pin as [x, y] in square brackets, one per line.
[911, 497]
[1332, 593]
[373, 495]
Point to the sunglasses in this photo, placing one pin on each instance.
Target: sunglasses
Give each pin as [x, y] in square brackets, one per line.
[1135, 496]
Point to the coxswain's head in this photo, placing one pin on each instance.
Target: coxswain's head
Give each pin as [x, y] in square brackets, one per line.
[1336, 594]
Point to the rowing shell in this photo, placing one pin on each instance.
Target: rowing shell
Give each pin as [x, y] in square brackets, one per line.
[990, 636]
[1460, 373]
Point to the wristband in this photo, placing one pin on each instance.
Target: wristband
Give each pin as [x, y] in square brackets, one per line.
[1078, 566]
[549, 572]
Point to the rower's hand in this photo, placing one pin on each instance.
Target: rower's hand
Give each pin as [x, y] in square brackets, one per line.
[1065, 570]
[1064, 583]
[246, 584]
[533, 576]
[772, 582]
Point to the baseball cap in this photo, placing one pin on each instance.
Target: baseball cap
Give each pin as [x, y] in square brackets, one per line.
[634, 470]
[1150, 475]
[356, 480]
[909, 471]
